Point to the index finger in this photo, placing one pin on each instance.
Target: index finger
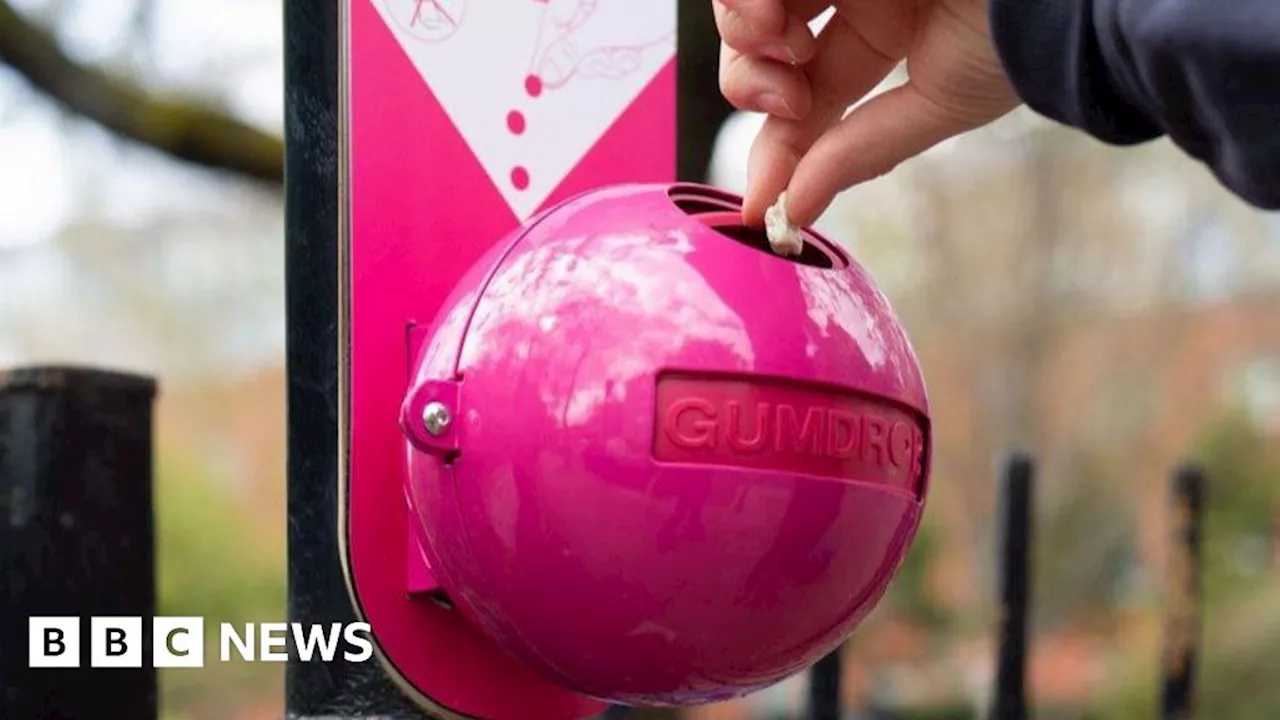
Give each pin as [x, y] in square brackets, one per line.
[844, 69]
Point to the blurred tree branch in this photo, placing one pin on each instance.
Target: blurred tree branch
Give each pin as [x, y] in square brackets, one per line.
[182, 129]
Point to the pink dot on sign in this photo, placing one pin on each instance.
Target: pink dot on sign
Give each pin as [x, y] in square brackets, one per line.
[515, 122]
[520, 178]
[533, 85]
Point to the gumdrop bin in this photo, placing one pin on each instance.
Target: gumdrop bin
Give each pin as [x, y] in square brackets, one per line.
[657, 462]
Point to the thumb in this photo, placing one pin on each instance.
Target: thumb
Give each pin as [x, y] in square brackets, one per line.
[869, 142]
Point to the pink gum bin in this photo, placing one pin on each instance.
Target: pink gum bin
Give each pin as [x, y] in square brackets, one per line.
[663, 465]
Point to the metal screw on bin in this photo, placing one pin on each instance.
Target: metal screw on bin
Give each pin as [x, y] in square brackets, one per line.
[436, 418]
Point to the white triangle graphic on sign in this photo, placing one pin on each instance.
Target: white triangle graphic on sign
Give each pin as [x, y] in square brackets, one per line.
[532, 85]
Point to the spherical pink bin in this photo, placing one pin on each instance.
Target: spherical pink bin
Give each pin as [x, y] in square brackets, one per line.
[657, 462]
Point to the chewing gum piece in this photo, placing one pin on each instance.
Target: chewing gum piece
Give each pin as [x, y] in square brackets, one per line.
[784, 238]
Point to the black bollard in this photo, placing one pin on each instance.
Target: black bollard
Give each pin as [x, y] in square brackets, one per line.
[1182, 595]
[76, 535]
[1015, 528]
[824, 688]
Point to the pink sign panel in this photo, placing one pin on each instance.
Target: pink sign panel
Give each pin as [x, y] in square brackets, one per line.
[464, 118]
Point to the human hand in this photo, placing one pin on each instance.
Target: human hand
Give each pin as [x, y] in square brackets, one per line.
[771, 63]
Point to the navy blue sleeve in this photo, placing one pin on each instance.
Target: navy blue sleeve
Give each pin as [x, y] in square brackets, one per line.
[1206, 73]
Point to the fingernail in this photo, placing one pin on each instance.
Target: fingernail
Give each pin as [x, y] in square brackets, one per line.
[775, 104]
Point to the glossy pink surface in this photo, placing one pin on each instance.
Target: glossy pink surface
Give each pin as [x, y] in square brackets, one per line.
[685, 467]
[422, 210]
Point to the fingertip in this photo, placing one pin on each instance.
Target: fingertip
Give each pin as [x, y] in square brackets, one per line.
[753, 200]
[774, 159]
[805, 206]
[760, 194]
[818, 178]
[800, 41]
[753, 209]
[768, 172]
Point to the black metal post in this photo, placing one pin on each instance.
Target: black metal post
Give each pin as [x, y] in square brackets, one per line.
[76, 534]
[702, 109]
[1010, 701]
[824, 688]
[317, 589]
[1182, 595]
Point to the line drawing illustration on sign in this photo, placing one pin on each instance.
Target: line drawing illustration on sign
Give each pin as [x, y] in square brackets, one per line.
[531, 86]
[428, 20]
[570, 45]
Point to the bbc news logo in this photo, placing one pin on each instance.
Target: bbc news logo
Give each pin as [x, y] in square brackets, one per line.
[179, 642]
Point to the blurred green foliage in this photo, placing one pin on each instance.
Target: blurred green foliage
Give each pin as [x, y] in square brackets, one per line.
[1243, 466]
[1240, 628]
[1238, 666]
[208, 563]
[1084, 544]
[212, 566]
[909, 594]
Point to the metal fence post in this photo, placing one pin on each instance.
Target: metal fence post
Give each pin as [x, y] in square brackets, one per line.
[1015, 528]
[824, 688]
[1182, 595]
[317, 588]
[76, 533]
